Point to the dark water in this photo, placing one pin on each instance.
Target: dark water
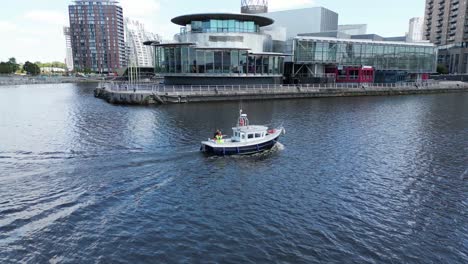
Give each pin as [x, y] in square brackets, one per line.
[358, 180]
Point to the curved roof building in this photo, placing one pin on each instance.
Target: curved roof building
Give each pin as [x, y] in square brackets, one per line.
[220, 48]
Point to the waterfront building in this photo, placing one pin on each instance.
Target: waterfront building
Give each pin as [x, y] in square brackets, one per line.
[220, 48]
[353, 29]
[305, 20]
[352, 60]
[445, 25]
[68, 46]
[139, 54]
[97, 35]
[416, 28]
[223, 48]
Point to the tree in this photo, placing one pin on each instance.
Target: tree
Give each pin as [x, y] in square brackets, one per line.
[32, 68]
[442, 69]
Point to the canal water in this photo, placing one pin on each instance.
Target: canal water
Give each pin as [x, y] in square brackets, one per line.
[356, 180]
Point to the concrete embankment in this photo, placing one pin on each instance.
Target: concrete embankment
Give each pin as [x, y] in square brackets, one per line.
[279, 92]
[13, 80]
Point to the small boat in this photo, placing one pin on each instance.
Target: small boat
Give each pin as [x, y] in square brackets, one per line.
[246, 139]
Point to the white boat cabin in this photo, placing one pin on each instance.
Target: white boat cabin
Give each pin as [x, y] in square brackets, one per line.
[246, 133]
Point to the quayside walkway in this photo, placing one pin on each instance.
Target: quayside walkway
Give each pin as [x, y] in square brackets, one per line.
[150, 94]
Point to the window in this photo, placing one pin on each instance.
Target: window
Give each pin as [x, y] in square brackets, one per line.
[243, 136]
[250, 136]
[258, 135]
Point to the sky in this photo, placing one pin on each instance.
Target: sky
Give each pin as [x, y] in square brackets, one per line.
[33, 29]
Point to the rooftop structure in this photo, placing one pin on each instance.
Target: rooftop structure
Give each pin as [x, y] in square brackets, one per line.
[353, 29]
[254, 6]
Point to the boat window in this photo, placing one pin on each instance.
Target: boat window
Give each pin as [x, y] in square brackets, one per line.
[258, 135]
[243, 136]
[251, 135]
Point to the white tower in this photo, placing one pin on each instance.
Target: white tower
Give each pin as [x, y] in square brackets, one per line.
[69, 59]
[254, 6]
[139, 54]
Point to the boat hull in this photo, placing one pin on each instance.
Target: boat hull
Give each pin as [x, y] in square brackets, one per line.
[242, 150]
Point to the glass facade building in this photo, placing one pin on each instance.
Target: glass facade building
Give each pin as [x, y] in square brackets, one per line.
[395, 56]
[219, 49]
[219, 25]
[190, 59]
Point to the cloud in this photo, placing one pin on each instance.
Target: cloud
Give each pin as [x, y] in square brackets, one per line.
[140, 8]
[6, 26]
[46, 16]
[276, 5]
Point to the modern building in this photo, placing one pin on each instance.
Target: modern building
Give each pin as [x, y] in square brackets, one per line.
[68, 46]
[97, 35]
[139, 54]
[305, 20]
[223, 48]
[416, 29]
[220, 48]
[361, 60]
[353, 29]
[445, 25]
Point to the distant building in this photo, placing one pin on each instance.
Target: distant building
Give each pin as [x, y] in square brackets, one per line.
[354, 29]
[139, 54]
[97, 35]
[445, 25]
[305, 20]
[416, 28]
[68, 46]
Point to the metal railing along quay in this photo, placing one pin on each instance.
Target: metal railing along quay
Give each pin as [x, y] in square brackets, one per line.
[263, 88]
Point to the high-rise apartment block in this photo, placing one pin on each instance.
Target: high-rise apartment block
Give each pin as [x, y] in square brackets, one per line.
[445, 25]
[415, 31]
[139, 54]
[97, 35]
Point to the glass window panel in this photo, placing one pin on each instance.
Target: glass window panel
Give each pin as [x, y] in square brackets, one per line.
[235, 61]
[271, 64]
[209, 62]
[251, 64]
[200, 61]
[226, 61]
[218, 61]
[258, 64]
[243, 63]
[178, 61]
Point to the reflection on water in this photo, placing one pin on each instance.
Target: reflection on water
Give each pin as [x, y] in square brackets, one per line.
[370, 179]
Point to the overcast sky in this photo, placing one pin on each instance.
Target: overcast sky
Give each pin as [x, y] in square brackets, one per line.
[32, 29]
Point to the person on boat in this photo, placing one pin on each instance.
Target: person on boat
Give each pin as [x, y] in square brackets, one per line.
[219, 137]
[216, 133]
